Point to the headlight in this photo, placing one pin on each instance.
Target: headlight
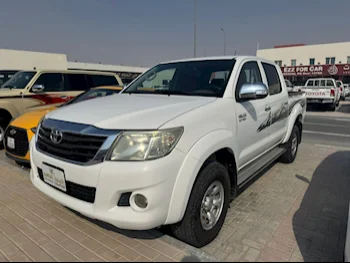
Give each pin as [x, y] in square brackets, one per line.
[148, 145]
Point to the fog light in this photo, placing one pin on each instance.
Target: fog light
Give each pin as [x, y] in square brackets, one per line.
[141, 201]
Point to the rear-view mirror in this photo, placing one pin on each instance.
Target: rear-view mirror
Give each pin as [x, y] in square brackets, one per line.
[253, 91]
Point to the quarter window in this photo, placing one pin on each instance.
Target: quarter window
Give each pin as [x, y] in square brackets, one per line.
[273, 79]
[310, 83]
[250, 74]
[53, 82]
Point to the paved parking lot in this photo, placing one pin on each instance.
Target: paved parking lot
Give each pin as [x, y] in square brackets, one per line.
[293, 212]
[35, 228]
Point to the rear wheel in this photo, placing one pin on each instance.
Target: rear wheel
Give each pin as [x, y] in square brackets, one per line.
[292, 146]
[332, 107]
[207, 207]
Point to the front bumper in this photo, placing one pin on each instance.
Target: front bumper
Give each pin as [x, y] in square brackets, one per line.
[153, 179]
[25, 158]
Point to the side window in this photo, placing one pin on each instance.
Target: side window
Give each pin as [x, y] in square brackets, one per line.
[75, 82]
[273, 79]
[250, 73]
[317, 83]
[100, 80]
[310, 83]
[323, 83]
[330, 83]
[53, 82]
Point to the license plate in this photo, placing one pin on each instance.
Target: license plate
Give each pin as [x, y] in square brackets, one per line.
[54, 177]
[10, 143]
[313, 101]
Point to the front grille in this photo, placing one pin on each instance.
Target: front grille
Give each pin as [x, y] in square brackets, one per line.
[74, 147]
[21, 141]
[83, 193]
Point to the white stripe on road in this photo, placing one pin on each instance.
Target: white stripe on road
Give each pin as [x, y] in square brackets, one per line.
[332, 146]
[337, 119]
[326, 124]
[327, 133]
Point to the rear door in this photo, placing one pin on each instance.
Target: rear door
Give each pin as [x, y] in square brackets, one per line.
[278, 99]
[74, 84]
[53, 93]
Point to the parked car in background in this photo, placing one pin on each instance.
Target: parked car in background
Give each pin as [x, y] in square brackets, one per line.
[347, 90]
[21, 130]
[5, 75]
[340, 85]
[172, 156]
[27, 90]
[322, 91]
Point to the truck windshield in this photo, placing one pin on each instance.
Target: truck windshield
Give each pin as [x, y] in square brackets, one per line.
[5, 75]
[19, 81]
[191, 78]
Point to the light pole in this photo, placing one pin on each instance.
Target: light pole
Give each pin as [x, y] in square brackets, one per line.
[195, 29]
[224, 40]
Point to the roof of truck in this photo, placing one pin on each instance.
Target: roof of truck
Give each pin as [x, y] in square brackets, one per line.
[215, 58]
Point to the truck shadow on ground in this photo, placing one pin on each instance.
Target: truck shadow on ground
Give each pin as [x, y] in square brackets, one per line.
[149, 235]
[320, 223]
[345, 108]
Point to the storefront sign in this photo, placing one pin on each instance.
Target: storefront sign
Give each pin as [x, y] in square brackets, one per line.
[317, 70]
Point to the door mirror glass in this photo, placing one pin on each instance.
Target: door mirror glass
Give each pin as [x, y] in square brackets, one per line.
[37, 88]
[253, 91]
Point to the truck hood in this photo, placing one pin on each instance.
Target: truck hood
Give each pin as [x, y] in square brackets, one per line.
[8, 92]
[124, 111]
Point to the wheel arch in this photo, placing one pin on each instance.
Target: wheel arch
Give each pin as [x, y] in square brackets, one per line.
[215, 146]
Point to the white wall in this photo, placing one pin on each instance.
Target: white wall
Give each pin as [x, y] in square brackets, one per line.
[27, 60]
[302, 54]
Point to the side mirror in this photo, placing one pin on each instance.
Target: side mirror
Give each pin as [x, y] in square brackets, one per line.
[37, 88]
[253, 91]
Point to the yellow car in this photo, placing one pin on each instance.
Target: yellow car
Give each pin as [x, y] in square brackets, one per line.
[21, 130]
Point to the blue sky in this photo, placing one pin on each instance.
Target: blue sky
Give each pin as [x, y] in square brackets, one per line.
[142, 33]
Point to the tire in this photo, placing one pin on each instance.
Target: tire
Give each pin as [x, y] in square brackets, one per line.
[3, 126]
[291, 152]
[332, 107]
[190, 230]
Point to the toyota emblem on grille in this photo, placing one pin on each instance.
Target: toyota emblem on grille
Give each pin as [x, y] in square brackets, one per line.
[56, 136]
[13, 132]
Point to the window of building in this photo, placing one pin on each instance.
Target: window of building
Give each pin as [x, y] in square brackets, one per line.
[330, 61]
[273, 79]
[312, 61]
[279, 62]
[293, 62]
[348, 60]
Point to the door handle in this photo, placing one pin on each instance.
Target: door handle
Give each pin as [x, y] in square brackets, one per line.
[267, 108]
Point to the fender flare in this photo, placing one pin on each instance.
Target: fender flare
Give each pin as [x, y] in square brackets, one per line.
[195, 158]
[297, 111]
[10, 108]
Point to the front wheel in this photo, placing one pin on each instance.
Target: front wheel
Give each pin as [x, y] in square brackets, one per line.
[292, 146]
[2, 133]
[207, 207]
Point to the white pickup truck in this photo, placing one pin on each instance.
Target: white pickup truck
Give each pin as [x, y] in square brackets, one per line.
[323, 91]
[172, 156]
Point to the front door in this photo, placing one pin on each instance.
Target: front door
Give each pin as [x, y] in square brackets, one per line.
[279, 105]
[252, 117]
[53, 93]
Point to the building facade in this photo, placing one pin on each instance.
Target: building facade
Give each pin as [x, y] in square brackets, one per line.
[300, 62]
